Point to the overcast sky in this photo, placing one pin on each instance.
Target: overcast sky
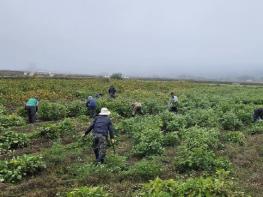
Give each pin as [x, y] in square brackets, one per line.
[149, 37]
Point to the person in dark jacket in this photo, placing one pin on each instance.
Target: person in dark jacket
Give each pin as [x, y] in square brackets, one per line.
[91, 106]
[31, 107]
[98, 95]
[102, 127]
[258, 114]
[112, 92]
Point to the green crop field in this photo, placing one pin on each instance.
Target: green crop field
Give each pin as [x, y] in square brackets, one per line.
[210, 148]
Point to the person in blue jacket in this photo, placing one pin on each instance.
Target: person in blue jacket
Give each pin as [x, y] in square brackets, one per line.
[91, 106]
[102, 128]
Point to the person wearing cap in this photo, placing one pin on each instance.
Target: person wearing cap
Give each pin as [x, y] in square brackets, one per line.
[136, 108]
[101, 127]
[173, 103]
[31, 107]
[112, 91]
[91, 105]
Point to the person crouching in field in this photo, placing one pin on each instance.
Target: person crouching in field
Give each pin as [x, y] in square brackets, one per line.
[91, 105]
[31, 107]
[112, 91]
[102, 127]
[137, 108]
[173, 103]
[258, 114]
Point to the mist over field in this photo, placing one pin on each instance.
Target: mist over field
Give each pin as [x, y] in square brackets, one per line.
[213, 39]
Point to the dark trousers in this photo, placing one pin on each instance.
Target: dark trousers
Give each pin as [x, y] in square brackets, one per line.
[92, 112]
[31, 113]
[112, 95]
[174, 109]
[137, 110]
[258, 114]
[99, 147]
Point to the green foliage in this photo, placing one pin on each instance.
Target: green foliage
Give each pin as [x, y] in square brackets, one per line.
[202, 186]
[10, 140]
[88, 191]
[235, 137]
[2, 109]
[144, 170]
[148, 142]
[52, 111]
[11, 120]
[198, 158]
[196, 151]
[76, 108]
[171, 139]
[201, 137]
[152, 107]
[230, 121]
[116, 163]
[257, 128]
[201, 117]
[54, 131]
[118, 105]
[177, 123]
[21, 112]
[17, 168]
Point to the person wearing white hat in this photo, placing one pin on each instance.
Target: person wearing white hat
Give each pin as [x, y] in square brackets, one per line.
[101, 127]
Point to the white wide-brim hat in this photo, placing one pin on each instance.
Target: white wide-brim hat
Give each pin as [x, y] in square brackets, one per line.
[104, 112]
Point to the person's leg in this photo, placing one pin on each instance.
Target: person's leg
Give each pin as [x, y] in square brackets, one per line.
[33, 114]
[95, 147]
[93, 113]
[102, 148]
[29, 114]
[255, 115]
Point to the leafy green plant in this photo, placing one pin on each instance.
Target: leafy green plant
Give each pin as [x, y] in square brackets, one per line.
[144, 170]
[152, 107]
[202, 118]
[235, 137]
[11, 140]
[148, 142]
[219, 185]
[54, 131]
[2, 109]
[76, 108]
[171, 139]
[230, 121]
[11, 120]
[88, 191]
[198, 158]
[116, 163]
[257, 128]
[17, 168]
[52, 111]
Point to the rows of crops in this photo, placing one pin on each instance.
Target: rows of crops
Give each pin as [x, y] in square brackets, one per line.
[210, 148]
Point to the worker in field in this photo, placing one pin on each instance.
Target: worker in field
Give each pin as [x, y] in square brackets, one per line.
[91, 105]
[31, 107]
[136, 108]
[98, 95]
[101, 127]
[258, 115]
[112, 91]
[173, 103]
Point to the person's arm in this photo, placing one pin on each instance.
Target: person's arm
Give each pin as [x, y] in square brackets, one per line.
[89, 129]
[110, 128]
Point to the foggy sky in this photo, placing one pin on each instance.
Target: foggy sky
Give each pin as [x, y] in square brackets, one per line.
[136, 37]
